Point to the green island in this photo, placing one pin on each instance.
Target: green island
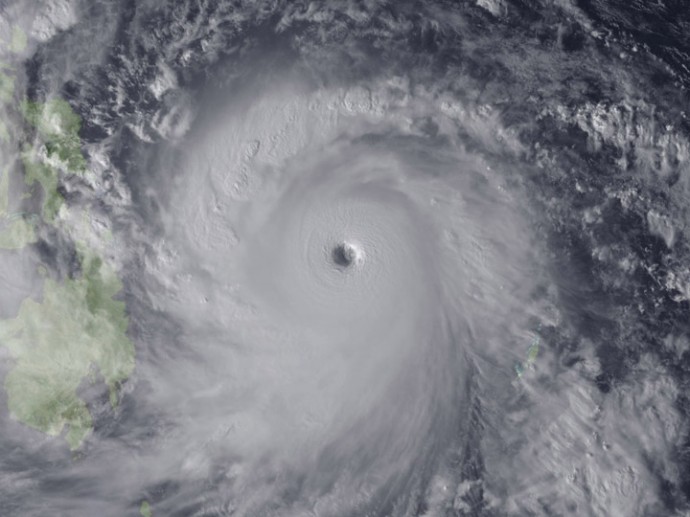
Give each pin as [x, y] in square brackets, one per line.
[16, 229]
[145, 509]
[78, 329]
[6, 87]
[56, 343]
[57, 128]
[532, 353]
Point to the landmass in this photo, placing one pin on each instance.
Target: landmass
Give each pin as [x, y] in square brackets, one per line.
[145, 509]
[57, 342]
[78, 328]
[532, 353]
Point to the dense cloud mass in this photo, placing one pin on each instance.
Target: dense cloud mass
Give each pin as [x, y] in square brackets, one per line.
[344, 258]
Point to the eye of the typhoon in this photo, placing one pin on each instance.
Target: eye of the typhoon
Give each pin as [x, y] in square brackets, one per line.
[346, 254]
[344, 258]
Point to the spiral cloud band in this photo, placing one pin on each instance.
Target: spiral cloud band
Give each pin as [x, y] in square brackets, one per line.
[345, 293]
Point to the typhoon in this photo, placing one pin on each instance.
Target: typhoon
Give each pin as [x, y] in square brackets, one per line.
[344, 258]
[339, 285]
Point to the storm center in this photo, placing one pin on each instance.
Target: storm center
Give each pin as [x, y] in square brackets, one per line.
[346, 254]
